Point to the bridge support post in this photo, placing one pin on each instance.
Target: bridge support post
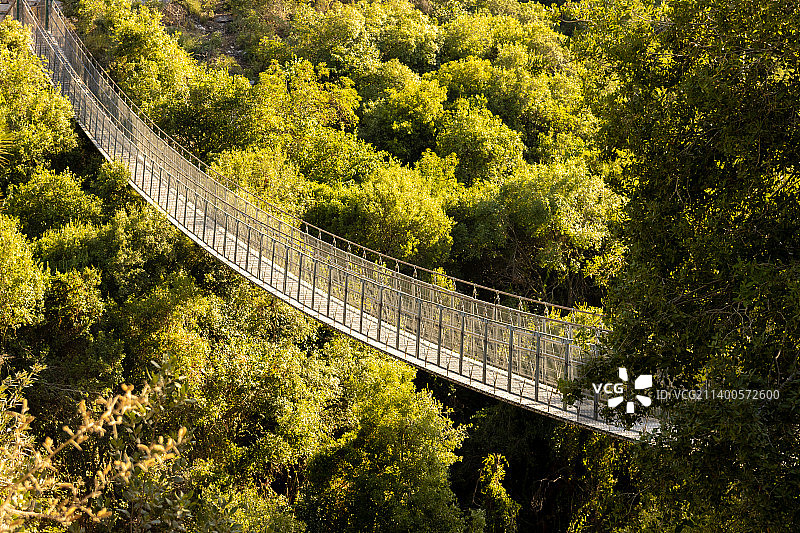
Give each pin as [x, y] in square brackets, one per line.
[177, 196]
[300, 275]
[461, 348]
[286, 269]
[380, 313]
[224, 231]
[596, 394]
[166, 208]
[510, 355]
[93, 127]
[135, 166]
[260, 252]
[213, 224]
[272, 265]
[439, 340]
[314, 282]
[186, 206]
[152, 180]
[419, 327]
[361, 308]
[82, 110]
[566, 370]
[235, 236]
[205, 214]
[536, 373]
[399, 317]
[485, 347]
[102, 130]
[330, 284]
[344, 300]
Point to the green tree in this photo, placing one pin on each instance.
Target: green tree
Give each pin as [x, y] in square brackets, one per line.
[403, 122]
[501, 510]
[258, 23]
[22, 281]
[483, 34]
[341, 37]
[480, 227]
[389, 471]
[470, 76]
[544, 105]
[111, 186]
[212, 116]
[38, 119]
[395, 212]
[74, 300]
[268, 173]
[486, 148]
[288, 101]
[220, 112]
[148, 63]
[137, 250]
[49, 200]
[561, 214]
[389, 75]
[545, 229]
[406, 34]
[72, 246]
[699, 100]
[472, 35]
[328, 155]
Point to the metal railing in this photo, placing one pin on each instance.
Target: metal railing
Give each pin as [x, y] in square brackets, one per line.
[510, 353]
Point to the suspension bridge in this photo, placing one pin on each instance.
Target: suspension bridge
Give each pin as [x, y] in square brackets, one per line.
[512, 348]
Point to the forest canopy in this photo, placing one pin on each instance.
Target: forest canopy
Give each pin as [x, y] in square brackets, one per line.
[632, 156]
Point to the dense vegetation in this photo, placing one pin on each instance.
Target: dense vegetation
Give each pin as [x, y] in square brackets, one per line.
[641, 154]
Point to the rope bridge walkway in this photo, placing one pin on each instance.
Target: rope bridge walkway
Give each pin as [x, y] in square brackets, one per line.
[501, 345]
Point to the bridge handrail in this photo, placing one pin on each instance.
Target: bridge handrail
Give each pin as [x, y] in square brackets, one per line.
[258, 203]
[295, 242]
[466, 302]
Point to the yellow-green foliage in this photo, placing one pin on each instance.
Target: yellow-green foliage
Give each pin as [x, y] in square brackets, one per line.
[49, 200]
[22, 281]
[38, 119]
